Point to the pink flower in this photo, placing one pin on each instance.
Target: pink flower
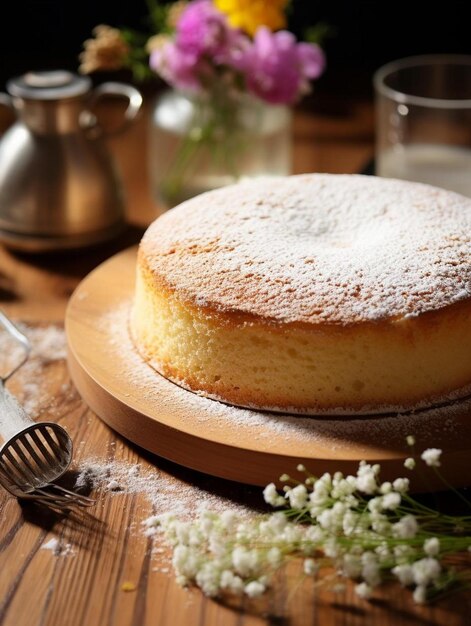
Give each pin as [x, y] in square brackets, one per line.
[203, 41]
[179, 68]
[277, 68]
[202, 30]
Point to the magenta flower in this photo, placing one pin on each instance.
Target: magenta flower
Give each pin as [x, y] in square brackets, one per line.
[203, 41]
[180, 69]
[277, 68]
[202, 30]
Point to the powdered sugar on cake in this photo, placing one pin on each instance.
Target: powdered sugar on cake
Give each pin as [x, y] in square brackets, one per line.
[317, 249]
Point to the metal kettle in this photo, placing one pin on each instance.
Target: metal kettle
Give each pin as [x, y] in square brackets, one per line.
[59, 187]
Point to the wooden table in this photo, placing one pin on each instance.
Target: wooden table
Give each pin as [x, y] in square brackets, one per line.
[86, 587]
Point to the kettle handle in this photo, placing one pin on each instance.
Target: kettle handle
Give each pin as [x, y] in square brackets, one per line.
[6, 100]
[88, 119]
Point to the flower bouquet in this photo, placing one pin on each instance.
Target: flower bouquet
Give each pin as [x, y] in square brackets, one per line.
[234, 72]
[337, 528]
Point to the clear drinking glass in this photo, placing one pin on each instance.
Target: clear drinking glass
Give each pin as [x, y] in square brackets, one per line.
[423, 120]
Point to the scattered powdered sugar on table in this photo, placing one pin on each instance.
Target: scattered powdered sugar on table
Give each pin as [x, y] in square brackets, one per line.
[58, 548]
[48, 344]
[165, 493]
[337, 432]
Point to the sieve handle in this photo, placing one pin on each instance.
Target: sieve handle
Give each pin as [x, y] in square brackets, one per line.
[13, 417]
[16, 334]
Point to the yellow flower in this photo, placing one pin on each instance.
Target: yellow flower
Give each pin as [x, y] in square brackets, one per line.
[250, 14]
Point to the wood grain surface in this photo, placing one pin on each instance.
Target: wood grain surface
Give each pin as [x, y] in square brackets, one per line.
[85, 587]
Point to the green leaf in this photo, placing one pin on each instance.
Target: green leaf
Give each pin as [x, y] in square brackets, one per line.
[319, 33]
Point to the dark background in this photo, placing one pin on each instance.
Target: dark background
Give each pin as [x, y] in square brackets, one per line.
[48, 34]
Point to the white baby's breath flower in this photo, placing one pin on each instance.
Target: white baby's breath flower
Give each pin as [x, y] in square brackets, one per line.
[426, 570]
[228, 520]
[370, 568]
[410, 440]
[196, 536]
[206, 525]
[431, 456]
[153, 520]
[403, 553]
[277, 521]
[420, 594]
[274, 556]
[401, 485]
[301, 468]
[350, 522]
[319, 499]
[183, 581]
[339, 509]
[208, 578]
[342, 488]
[254, 589]
[331, 547]
[245, 561]
[383, 552]
[292, 534]
[315, 534]
[432, 546]
[381, 524]
[409, 463]
[310, 567]
[298, 497]
[325, 519]
[367, 484]
[284, 478]
[271, 495]
[391, 501]
[231, 582]
[366, 478]
[404, 574]
[217, 545]
[405, 528]
[182, 532]
[363, 590]
[375, 505]
[351, 565]
[364, 537]
[186, 561]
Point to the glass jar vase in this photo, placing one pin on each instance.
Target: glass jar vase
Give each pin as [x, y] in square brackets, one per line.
[202, 142]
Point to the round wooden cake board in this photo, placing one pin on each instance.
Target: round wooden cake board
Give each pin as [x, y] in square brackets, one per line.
[238, 444]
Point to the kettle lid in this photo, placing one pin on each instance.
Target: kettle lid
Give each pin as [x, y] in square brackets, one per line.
[48, 85]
